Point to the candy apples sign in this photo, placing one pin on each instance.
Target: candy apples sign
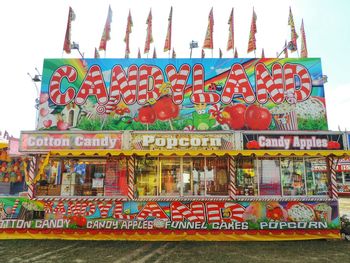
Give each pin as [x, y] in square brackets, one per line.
[182, 94]
[293, 142]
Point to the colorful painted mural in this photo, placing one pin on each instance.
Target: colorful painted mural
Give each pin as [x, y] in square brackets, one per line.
[182, 94]
[167, 215]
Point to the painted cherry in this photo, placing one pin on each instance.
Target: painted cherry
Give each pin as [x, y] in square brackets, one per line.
[62, 126]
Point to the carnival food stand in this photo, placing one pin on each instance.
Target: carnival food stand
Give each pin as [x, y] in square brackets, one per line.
[180, 149]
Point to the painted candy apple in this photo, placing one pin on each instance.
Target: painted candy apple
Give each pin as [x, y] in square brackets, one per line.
[166, 109]
[234, 116]
[257, 118]
[146, 115]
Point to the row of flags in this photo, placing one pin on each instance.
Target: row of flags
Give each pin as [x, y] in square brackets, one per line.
[208, 40]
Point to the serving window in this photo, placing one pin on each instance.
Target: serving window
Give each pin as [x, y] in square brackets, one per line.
[181, 176]
[84, 177]
[281, 176]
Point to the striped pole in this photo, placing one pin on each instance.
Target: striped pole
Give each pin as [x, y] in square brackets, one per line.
[32, 166]
[232, 190]
[131, 172]
[332, 167]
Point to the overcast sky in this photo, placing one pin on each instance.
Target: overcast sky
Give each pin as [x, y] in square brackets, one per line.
[34, 30]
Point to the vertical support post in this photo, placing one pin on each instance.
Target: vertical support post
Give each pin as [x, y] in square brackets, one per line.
[331, 165]
[131, 176]
[32, 167]
[232, 190]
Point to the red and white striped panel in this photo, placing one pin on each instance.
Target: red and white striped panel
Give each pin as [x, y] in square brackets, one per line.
[118, 212]
[59, 208]
[74, 208]
[147, 93]
[131, 175]
[232, 190]
[55, 93]
[198, 94]
[14, 207]
[32, 167]
[104, 208]
[178, 81]
[332, 166]
[235, 212]
[237, 83]
[194, 214]
[151, 209]
[213, 212]
[48, 207]
[292, 70]
[267, 84]
[93, 85]
[122, 86]
[90, 208]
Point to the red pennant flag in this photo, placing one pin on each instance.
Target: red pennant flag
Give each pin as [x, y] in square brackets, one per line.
[285, 50]
[293, 34]
[97, 54]
[253, 31]
[203, 53]
[236, 53]
[154, 53]
[67, 39]
[303, 52]
[149, 37]
[106, 35]
[167, 44]
[174, 54]
[230, 41]
[139, 54]
[262, 54]
[220, 53]
[127, 35]
[208, 41]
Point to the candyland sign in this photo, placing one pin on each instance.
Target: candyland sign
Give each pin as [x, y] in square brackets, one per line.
[182, 94]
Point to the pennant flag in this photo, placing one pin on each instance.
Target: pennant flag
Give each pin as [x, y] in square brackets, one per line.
[67, 39]
[230, 41]
[174, 54]
[97, 54]
[127, 35]
[293, 34]
[220, 53]
[154, 53]
[262, 54]
[253, 31]
[149, 37]
[203, 53]
[167, 44]
[303, 52]
[236, 53]
[285, 50]
[139, 54]
[208, 41]
[106, 35]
